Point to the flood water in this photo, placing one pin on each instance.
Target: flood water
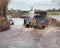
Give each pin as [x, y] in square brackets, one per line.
[20, 37]
[57, 17]
[18, 23]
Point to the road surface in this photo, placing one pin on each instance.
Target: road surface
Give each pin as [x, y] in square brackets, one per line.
[20, 37]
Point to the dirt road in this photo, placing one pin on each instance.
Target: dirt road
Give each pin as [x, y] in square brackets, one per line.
[30, 38]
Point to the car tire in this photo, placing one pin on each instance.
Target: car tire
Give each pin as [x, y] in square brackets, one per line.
[24, 22]
[27, 26]
[43, 27]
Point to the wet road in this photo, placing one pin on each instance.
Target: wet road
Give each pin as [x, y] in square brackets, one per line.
[20, 37]
[30, 38]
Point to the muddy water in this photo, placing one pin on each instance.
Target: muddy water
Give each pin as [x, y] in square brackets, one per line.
[18, 23]
[20, 37]
[57, 17]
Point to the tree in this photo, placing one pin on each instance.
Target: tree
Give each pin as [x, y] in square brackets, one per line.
[4, 22]
[3, 8]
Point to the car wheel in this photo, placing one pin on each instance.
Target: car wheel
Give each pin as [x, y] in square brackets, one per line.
[43, 27]
[24, 22]
[27, 25]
